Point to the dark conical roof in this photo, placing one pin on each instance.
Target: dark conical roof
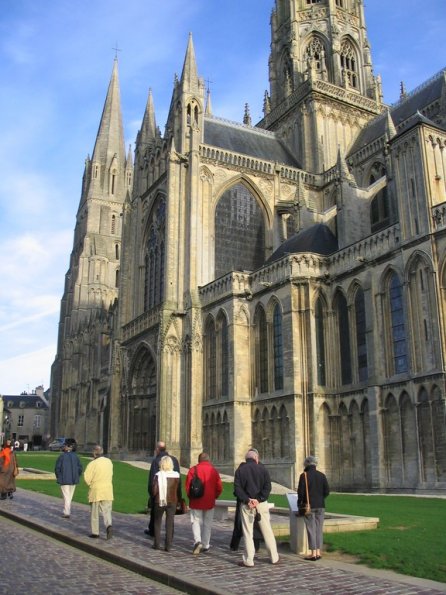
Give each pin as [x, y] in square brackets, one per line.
[318, 239]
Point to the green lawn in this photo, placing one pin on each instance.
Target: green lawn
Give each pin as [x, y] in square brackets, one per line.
[411, 538]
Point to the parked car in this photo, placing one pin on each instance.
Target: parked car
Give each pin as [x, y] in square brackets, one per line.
[56, 444]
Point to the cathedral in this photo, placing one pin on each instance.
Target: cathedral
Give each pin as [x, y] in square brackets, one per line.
[278, 285]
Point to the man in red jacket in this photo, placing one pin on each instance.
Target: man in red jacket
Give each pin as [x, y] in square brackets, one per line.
[202, 508]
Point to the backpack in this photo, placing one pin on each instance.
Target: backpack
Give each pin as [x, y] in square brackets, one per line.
[196, 486]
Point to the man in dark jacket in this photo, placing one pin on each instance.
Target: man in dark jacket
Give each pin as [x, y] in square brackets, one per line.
[252, 486]
[318, 490]
[68, 471]
[160, 452]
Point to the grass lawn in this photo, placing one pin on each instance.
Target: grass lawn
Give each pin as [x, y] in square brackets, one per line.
[411, 538]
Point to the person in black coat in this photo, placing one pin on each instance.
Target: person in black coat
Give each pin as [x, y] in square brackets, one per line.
[160, 452]
[68, 470]
[318, 490]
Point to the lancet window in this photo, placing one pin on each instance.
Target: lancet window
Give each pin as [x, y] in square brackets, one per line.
[154, 259]
[315, 57]
[320, 341]
[379, 209]
[398, 327]
[216, 357]
[349, 65]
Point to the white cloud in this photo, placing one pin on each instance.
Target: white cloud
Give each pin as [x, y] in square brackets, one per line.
[26, 370]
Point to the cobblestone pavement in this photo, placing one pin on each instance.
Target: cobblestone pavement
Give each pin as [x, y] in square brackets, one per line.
[215, 572]
[33, 563]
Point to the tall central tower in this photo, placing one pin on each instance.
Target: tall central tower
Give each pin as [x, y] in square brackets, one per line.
[322, 87]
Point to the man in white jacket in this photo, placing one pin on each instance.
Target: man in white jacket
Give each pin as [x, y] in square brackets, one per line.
[98, 476]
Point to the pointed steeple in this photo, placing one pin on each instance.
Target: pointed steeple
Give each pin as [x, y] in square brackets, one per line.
[189, 76]
[110, 137]
[148, 131]
[343, 170]
[390, 126]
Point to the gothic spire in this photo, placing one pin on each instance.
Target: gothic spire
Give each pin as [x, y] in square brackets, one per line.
[189, 76]
[110, 138]
[148, 132]
[390, 126]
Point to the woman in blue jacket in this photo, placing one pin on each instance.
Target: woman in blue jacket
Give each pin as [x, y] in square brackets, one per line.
[68, 471]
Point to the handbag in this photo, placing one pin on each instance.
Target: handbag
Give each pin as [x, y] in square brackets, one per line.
[181, 506]
[305, 509]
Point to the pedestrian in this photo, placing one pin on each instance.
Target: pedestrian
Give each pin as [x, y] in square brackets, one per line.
[202, 508]
[98, 476]
[9, 470]
[166, 493]
[160, 452]
[68, 470]
[252, 486]
[237, 532]
[312, 490]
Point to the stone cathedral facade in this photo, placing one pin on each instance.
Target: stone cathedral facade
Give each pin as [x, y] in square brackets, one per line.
[280, 285]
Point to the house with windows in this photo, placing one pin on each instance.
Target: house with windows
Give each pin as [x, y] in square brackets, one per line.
[26, 418]
[277, 285]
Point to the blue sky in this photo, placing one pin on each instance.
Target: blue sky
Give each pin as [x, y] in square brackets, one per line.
[56, 58]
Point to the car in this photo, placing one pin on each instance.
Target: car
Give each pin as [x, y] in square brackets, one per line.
[56, 444]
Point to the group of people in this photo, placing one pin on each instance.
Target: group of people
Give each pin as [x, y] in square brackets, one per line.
[98, 476]
[252, 487]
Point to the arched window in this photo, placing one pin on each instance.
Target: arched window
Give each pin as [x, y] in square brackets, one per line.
[117, 251]
[278, 348]
[424, 329]
[361, 343]
[117, 278]
[261, 351]
[154, 266]
[223, 355]
[344, 339]
[210, 352]
[398, 328]
[320, 342]
[239, 232]
[379, 208]
[315, 57]
[349, 67]
[113, 224]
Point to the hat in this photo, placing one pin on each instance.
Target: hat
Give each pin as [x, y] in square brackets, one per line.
[310, 460]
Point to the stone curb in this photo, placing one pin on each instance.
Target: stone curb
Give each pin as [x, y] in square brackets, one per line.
[158, 574]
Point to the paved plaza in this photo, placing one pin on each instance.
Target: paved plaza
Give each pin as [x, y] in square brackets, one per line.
[215, 572]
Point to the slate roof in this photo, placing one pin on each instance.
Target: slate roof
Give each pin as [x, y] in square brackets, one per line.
[246, 140]
[317, 239]
[29, 400]
[420, 98]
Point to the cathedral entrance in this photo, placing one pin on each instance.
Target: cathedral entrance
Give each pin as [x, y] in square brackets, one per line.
[141, 403]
